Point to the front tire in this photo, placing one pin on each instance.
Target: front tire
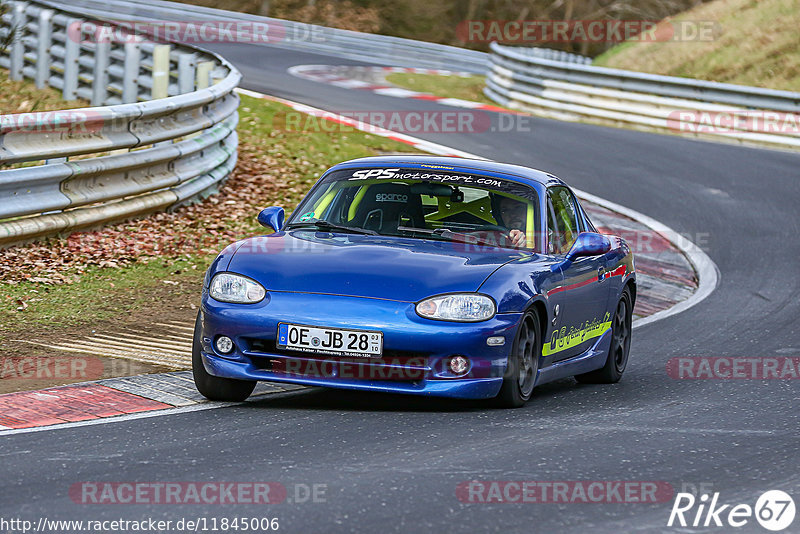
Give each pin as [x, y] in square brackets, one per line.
[620, 348]
[523, 363]
[214, 387]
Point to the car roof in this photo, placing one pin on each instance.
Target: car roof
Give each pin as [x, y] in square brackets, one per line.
[519, 173]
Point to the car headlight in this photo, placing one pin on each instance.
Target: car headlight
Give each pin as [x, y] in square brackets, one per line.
[229, 287]
[465, 307]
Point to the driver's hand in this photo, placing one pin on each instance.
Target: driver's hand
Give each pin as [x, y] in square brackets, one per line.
[517, 238]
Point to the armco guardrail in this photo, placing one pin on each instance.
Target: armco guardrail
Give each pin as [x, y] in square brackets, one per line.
[565, 86]
[299, 36]
[164, 131]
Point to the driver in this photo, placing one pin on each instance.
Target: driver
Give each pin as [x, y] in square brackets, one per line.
[513, 215]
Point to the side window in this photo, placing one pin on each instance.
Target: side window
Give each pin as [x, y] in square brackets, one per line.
[553, 245]
[563, 220]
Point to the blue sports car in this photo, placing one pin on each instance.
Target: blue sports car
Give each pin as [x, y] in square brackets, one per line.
[421, 275]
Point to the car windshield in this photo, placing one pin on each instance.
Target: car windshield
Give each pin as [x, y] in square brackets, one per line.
[422, 204]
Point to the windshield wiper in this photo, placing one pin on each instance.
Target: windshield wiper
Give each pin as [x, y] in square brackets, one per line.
[444, 232]
[450, 235]
[325, 225]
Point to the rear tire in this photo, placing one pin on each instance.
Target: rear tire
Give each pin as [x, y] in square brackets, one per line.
[214, 387]
[523, 363]
[620, 348]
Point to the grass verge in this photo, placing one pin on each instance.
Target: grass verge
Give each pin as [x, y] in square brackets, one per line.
[463, 87]
[751, 43]
[23, 97]
[153, 267]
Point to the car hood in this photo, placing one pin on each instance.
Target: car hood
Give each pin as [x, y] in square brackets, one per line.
[366, 266]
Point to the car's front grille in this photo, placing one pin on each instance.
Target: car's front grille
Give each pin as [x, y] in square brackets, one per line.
[268, 347]
[393, 365]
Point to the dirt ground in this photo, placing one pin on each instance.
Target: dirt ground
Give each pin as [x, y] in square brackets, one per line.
[30, 367]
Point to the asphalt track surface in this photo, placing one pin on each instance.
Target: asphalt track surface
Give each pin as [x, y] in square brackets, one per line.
[392, 463]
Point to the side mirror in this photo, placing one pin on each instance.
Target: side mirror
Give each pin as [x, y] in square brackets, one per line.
[586, 244]
[272, 217]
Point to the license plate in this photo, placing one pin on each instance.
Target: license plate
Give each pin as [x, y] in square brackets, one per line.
[334, 341]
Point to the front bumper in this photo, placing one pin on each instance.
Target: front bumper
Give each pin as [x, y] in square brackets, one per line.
[416, 350]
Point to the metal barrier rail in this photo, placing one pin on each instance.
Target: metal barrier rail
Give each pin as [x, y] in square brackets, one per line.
[568, 88]
[300, 36]
[545, 82]
[165, 131]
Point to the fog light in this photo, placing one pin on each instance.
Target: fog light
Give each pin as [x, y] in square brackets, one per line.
[459, 365]
[224, 345]
[496, 341]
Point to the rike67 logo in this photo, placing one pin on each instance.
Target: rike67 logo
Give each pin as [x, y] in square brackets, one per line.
[774, 510]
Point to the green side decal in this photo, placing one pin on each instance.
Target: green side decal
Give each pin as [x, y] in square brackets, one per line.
[307, 216]
[563, 339]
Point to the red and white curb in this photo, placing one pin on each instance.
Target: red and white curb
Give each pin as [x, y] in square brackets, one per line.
[417, 143]
[704, 267]
[372, 79]
[113, 399]
[135, 397]
[65, 404]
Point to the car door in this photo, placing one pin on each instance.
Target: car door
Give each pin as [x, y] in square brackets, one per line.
[584, 301]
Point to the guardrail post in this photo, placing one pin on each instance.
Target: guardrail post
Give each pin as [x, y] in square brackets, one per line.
[217, 75]
[160, 71]
[186, 75]
[100, 74]
[130, 77]
[204, 69]
[17, 54]
[43, 48]
[113, 182]
[72, 48]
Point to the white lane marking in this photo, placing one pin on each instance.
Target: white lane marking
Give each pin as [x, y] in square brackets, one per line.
[397, 92]
[206, 405]
[707, 271]
[457, 102]
[127, 354]
[120, 418]
[175, 331]
[179, 326]
[123, 347]
[363, 126]
[135, 345]
[138, 342]
[168, 341]
[351, 84]
[180, 339]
